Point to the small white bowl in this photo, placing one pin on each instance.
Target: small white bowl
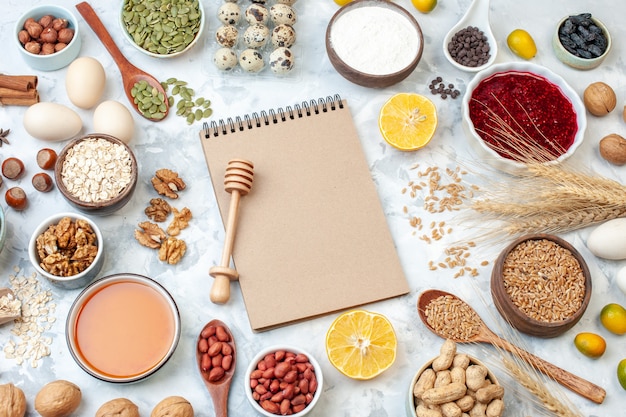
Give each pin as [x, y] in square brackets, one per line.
[146, 301]
[262, 354]
[153, 54]
[490, 155]
[574, 61]
[56, 60]
[74, 281]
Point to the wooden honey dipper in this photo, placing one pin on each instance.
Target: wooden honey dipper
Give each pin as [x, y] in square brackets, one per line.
[238, 182]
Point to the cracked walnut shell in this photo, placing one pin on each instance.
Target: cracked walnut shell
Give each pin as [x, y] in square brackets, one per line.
[12, 401]
[58, 399]
[118, 407]
[173, 406]
[167, 182]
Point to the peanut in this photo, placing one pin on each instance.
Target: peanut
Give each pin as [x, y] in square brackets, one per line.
[466, 403]
[457, 374]
[461, 360]
[495, 408]
[423, 411]
[446, 356]
[425, 381]
[217, 355]
[489, 392]
[475, 377]
[451, 410]
[443, 378]
[444, 394]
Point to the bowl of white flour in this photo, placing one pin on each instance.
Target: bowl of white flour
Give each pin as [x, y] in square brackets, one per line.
[374, 43]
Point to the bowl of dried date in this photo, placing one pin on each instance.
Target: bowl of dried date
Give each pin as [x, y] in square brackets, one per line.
[581, 41]
[96, 173]
[520, 113]
[67, 249]
[283, 380]
[48, 37]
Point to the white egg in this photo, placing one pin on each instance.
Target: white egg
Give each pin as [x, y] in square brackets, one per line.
[52, 122]
[621, 279]
[113, 118]
[608, 240]
[85, 81]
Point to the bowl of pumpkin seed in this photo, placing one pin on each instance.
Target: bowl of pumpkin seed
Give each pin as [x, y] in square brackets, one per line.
[162, 28]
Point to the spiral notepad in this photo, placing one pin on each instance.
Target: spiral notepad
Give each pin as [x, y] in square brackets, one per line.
[312, 237]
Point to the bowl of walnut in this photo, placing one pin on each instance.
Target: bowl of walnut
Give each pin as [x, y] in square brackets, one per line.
[96, 173]
[67, 249]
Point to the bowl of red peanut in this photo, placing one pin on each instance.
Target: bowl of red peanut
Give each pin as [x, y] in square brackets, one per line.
[283, 380]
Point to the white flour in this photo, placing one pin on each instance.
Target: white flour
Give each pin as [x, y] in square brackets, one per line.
[374, 40]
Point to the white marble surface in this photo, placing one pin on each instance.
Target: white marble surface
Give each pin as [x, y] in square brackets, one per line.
[175, 145]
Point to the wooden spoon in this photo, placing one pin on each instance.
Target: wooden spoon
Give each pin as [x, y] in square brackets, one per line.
[485, 335]
[218, 390]
[130, 73]
[9, 316]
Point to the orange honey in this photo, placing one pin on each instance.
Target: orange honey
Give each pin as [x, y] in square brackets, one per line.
[124, 329]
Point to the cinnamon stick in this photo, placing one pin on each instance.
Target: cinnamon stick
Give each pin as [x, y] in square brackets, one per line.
[18, 82]
[19, 101]
[9, 93]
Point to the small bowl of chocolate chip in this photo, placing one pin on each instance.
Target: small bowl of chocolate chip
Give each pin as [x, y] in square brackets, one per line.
[581, 41]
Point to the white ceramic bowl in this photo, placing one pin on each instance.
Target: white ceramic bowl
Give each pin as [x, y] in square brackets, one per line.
[262, 354]
[574, 61]
[56, 60]
[74, 281]
[155, 54]
[147, 305]
[490, 155]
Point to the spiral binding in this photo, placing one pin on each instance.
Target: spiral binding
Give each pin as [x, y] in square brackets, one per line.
[265, 118]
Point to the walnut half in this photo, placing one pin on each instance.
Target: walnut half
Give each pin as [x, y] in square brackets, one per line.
[172, 250]
[158, 210]
[150, 235]
[167, 182]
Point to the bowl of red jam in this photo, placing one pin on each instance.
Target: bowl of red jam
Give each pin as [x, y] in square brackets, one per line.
[520, 113]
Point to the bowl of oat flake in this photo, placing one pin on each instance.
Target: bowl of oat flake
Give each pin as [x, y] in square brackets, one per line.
[97, 174]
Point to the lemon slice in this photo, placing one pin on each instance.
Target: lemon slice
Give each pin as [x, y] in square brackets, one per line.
[361, 344]
[408, 121]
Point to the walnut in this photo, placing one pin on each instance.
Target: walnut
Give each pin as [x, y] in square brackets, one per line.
[172, 250]
[58, 399]
[173, 406]
[158, 210]
[180, 222]
[150, 235]
[12, 401]
[118, 407]
[599, 99]
[167, 182]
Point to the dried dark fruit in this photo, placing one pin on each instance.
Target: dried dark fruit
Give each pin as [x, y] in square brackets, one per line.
[581, 37]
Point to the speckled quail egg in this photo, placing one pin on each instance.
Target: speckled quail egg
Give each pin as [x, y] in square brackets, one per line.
[257, 13]
[256, 36]
[229, 13]
[225, 59]
[283, 35]
[283, 14]
[281, 60]
[251, 60]
[226, 36]
[287, 2]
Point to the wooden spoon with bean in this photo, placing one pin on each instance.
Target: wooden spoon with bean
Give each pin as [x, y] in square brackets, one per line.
[131, 75]
[6, 317]
[481, 333]
[217, 382]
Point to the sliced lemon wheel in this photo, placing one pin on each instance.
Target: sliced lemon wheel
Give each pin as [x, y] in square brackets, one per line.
[361, 344]
[408, 121]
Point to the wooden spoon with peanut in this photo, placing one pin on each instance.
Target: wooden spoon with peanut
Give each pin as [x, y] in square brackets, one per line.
[479, 332]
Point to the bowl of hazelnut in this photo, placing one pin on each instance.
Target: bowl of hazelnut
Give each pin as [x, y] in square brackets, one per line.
[67, 249]
[47, 37]
[96, 173]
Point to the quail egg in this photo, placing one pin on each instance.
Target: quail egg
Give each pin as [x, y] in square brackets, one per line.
[257, 13]
[283, 35]
[226, 36]
[225, 59]
[283, 14]
[251, 60]
[281, 60]
[256, 36]
[229, 13]
[287, 2]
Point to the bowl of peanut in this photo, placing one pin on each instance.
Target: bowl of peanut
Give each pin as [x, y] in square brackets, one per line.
[283, 380]
[96, 173]
[67, 249]
[48, 37]
[541, 285]
[454, 383]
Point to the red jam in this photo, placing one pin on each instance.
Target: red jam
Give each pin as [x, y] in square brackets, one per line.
[542, 117]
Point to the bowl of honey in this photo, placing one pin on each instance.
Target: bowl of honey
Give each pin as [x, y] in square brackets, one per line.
[123, 328]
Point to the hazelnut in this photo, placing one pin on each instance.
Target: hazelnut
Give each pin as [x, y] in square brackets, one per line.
[599, 98]
[59, 23]
[59, 46]
[613, 149]
[23, 37]
[118, 407]
[46, 20]
[33, 47]
[58, 399]
[48, 35]
[47, 49]
[12, 401]
[173, 406]
[65, 35]
[34, 29]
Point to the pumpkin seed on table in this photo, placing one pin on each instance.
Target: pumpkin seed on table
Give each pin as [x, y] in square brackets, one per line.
[190, 108]
[162, 27]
